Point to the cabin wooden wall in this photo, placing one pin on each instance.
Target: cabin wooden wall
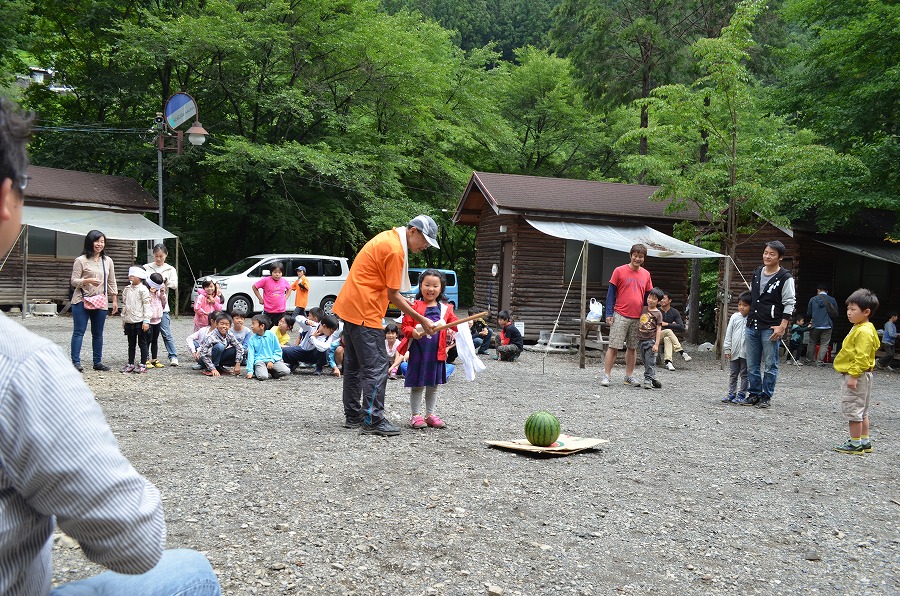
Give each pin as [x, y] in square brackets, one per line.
[538, 275]
[48, 277]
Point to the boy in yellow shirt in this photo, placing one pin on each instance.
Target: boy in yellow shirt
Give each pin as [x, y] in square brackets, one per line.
[855, 362]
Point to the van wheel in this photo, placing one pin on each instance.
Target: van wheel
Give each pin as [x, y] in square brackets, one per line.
[240, 303]
[327, 304]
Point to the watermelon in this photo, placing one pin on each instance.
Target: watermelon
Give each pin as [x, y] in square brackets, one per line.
[542, 429]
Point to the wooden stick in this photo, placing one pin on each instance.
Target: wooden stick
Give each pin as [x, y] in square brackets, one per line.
[466, 320]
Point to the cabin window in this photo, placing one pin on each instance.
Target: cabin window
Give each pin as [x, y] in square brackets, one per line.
[49, 243]
[601, 262]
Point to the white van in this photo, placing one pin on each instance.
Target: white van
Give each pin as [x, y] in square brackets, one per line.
[326, 278]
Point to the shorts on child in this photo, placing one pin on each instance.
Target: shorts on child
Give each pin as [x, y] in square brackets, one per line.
[855, 402]
[623, 330]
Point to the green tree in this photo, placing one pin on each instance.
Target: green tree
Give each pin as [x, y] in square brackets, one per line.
[755, 164]
[844, 84]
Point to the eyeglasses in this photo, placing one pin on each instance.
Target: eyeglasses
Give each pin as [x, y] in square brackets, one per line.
[22, 182]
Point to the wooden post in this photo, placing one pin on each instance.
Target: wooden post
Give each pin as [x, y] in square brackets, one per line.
[178, 273]
[584, 281]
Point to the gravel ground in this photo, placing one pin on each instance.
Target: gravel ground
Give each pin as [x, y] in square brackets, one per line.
[689, 496]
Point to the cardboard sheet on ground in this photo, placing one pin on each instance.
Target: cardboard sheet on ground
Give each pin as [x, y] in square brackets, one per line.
[564, 445]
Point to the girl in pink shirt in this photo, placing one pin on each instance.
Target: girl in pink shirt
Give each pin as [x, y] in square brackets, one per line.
[275, 290]
[208, 300]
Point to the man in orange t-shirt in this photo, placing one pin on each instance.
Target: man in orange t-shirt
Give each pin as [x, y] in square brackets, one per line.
[378, 274]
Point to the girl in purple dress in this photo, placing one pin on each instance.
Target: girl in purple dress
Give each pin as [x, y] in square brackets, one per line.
[427, 355]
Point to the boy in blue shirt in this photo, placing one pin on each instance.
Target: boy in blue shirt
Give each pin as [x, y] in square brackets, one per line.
[887, 342]
[264, 357]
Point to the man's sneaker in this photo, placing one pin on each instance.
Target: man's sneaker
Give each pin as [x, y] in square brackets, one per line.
[656, 383]
[686, 356]
[383, 427]
[867, 447]
[173, 361]
[669, 365]
[763, 404]
[604, 381]
[128, 368]
[353, 422]
[632, 381]
[141, 369]
[850, 448]
[752, 400]
[417, 421]
[648, 384]
[78, 367]
[889, 369]
[434, 421]
[101, 367]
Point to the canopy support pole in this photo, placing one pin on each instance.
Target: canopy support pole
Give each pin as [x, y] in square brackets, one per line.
[178, 273]
[25, 272]
[584, 281]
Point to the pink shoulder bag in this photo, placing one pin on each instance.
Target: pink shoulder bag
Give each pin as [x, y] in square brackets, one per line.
[97, 301]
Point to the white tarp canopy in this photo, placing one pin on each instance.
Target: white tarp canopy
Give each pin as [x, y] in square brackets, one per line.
[622, 238]
[115, 225]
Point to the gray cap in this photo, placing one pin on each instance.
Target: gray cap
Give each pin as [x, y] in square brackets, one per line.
[429, 229]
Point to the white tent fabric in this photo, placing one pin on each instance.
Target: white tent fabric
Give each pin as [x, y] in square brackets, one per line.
[115, 225]
[622, 238]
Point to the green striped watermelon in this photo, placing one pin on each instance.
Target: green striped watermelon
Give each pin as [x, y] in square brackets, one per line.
[542, 429]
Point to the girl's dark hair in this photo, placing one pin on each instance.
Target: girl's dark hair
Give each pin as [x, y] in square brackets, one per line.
[156, 278]
[206, 282]
[442, 297]
[289, 321]
[864, 299]
[276, 265]
[391, 328]
[214, 316]
[89, 240]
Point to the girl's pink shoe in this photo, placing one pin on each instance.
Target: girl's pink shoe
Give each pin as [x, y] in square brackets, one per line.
[417, 422]
[434, 421]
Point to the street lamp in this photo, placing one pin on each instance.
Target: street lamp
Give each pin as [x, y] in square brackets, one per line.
[178, 109]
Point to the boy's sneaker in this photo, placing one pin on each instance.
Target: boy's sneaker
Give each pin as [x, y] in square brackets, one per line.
[686, 356]
[434, 421]
[417, 421]
[128, 368]
[158, 364]
[850, 448]
[632, 381]
[604, 381]
[742, 401]
[141, 369]
[867, 447]
[648, 384]
[656, 384]
[173, 361]
[728, 399]
[669, 365]
[197, 366]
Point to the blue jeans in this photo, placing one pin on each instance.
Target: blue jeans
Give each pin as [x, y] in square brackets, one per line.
[483, 343]
[180, 572]
[80, 318]
[760, 349]
[222, 356]
[165, 329]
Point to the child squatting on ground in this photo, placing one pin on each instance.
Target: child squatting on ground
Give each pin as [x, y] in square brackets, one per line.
[511, 341]
[136, 318]
[427, 354]
[264, 358]
[855, 362]
[649, 333]
[733, 346]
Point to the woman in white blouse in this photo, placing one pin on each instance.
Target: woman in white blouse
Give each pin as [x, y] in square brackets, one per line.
[92, 275]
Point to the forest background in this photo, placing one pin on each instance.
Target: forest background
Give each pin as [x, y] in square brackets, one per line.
[331, 120]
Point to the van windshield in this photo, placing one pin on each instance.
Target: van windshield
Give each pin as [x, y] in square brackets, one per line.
[238, 267]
